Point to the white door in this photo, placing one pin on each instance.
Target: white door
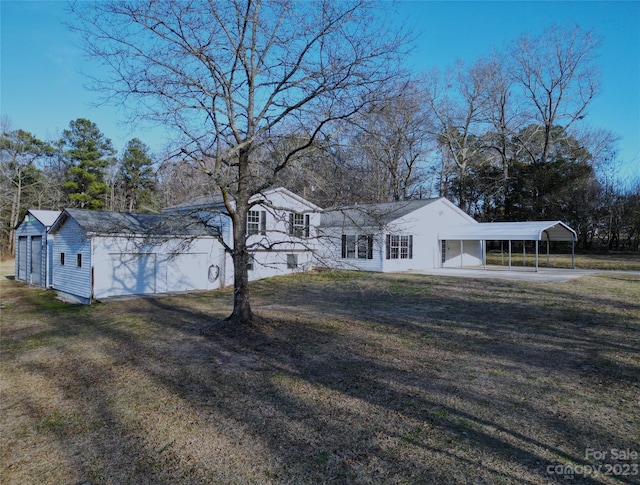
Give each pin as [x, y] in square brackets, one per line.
[126, 274]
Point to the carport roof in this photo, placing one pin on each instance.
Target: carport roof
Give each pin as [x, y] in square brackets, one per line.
[510, 231]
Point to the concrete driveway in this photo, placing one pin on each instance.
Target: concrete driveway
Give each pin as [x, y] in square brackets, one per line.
[555, 275]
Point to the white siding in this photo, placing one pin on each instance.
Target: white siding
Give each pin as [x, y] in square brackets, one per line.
[425, 224]
[137, 266]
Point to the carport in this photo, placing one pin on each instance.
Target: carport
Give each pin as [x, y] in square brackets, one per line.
[512, 231]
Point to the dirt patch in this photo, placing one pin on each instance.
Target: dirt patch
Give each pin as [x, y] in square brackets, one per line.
[347, 378]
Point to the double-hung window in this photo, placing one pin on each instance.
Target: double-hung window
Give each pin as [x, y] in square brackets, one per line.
[256, 223]
[399, 247]
[357, 246]
[298, 224]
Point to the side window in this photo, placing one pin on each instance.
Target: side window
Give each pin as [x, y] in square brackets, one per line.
[256, 223]
[298, 224]
[250, 263]
[292, 261]
[399, 247]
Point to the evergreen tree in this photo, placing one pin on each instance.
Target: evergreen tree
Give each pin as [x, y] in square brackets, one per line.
[87, 154]
[137, 177]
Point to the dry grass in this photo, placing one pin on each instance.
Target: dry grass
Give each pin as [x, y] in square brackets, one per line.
[348, 378]
[612, 261]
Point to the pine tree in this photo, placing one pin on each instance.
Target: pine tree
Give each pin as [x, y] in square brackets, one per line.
[87, 154]
[137, 177]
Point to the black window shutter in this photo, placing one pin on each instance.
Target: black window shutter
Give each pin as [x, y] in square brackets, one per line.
[370, 247]
[388, 246]
[291, 223]
[410, 247]
[344, 246]
[263, 222]
[306, 225]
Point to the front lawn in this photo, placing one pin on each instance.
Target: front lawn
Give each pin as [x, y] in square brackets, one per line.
[348, 378]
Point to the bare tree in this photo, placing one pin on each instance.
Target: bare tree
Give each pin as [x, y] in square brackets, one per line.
[21, 178]
[226, 76]
[557, 77]
[393, 139]
[458, 103]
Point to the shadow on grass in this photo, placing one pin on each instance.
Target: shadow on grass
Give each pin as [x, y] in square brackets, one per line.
[347, 384]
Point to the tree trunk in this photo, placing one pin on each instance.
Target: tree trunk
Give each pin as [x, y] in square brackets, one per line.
[241, 307]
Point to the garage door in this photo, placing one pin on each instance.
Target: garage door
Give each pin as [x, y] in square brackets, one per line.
[185, 272]
[36, 260]
[22, 258]
[126, 274]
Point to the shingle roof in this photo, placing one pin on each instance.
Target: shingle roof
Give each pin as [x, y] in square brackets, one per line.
[201, 202]
[371, 215]
[112, 223]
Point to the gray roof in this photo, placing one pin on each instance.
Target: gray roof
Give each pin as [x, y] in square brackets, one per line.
[128, 223]
[201, 202]
[371, 215]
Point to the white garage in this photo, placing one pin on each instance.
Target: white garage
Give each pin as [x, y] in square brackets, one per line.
[98, 255]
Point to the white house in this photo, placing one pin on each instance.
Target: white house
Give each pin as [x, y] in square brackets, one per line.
[99, 254]
[281, 231]
[395, 236]
[33, 247]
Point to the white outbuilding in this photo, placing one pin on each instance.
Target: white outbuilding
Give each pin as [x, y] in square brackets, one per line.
[98, 254]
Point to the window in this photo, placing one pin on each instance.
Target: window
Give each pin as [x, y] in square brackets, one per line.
[256, 223]
[444, 252]
[298, 224]
[399, 247]
[360, 247]
[61, 259]
[292, 261]
[250, 262]
[79, 260]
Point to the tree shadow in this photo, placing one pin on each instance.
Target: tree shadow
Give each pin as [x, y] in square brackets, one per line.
[333, 399]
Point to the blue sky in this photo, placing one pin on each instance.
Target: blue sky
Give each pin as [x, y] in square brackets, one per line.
[42, 88]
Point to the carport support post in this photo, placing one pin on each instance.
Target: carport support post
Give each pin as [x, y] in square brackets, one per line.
[502, 252]
[461, 252]
[524, 254]
[509, 254]
[536, 255]
[547, 250]
[484, 254]
[573, 259]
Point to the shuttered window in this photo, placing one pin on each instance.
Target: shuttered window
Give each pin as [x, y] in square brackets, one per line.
[256, 223]
[357, 247]
[298, 224]
[399, 247]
